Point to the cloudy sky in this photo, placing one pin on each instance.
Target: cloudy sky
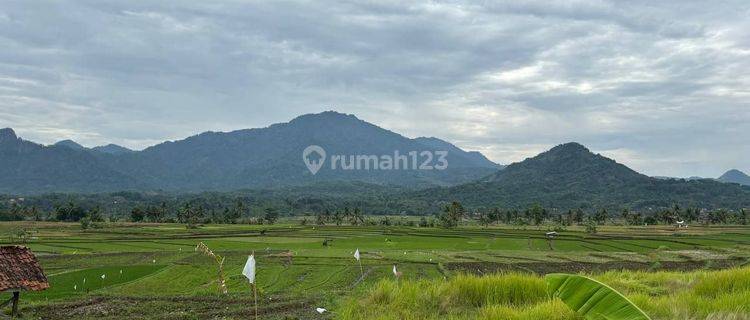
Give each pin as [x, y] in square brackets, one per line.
[662, 87]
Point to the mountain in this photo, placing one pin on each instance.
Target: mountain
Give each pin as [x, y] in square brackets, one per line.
[271, 157]
[70, 144]
[735, 176]
[268, 157]
[111, 149]
[474, 157]
[27, 167]
[570, 176]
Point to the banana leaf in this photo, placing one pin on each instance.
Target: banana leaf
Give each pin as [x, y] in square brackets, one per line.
[592, 299]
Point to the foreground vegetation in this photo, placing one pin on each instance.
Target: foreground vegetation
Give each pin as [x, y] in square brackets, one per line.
[153, 271]
[662, 295]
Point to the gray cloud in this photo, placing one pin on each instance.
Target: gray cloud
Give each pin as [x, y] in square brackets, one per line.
[661, 87]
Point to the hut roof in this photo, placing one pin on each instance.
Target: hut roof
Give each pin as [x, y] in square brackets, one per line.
[19, 270]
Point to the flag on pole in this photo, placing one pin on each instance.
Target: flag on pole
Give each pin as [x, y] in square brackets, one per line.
[395, 272]
[75, 287]
[249, 270]
[249, 273]
[361, 270]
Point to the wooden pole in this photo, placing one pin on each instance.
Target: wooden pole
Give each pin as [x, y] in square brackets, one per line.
[255, 294]
[361, 270]
[14, 312]
[255, 291]
[549, 242]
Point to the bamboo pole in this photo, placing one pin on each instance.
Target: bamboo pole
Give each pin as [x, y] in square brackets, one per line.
[361, 270]
[255, 289]
[255, 295]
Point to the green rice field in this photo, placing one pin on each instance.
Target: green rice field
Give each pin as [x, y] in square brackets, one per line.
[152, 271]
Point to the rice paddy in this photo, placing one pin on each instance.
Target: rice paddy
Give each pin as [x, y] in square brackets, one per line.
[152, 271]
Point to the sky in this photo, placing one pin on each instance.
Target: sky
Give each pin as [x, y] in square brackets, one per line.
[661, 86]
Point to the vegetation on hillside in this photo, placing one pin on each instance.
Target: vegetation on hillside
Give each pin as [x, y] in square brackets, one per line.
[221, 161]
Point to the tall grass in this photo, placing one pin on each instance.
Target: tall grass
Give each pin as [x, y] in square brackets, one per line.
[460, 296]
[704, 294]
[509, 289]
[709, 295]
[722, 282]
[547, 310]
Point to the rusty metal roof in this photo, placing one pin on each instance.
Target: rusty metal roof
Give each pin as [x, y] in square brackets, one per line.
[19, 270]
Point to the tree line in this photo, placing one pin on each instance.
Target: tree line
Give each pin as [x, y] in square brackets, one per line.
[238, 211]
[537, 215]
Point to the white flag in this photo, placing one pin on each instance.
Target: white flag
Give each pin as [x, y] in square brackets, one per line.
[84, 280]
[395, 272]
[356, 254]
[249, 271]
[104, 276]
[75, 287]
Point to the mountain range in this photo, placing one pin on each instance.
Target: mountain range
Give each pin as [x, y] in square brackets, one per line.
[570, 176]
[566, 176]
[731, 176]
[219, 161]
[109, 149]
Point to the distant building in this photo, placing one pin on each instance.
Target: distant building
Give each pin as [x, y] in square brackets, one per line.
[19, 271]
[16, 200]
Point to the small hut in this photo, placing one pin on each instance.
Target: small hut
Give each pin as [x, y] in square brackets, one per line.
[19, 271]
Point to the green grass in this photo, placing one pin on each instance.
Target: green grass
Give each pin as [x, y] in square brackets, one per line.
[81, 282]
[506, 296]
[687, 295]
[329, 276]
[663, 295]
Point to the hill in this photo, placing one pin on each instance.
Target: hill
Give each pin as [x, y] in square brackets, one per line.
[70, 144]
[570, 176]
[26, 167]
[111, 149]
[735, 176]
[268, 157]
